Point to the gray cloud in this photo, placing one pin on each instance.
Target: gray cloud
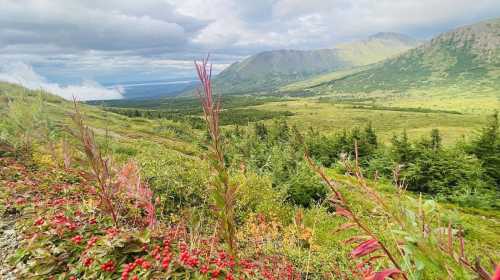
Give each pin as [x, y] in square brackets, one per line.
[69, 41]
[97, 25]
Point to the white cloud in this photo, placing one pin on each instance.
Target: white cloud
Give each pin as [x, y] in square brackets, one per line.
[158, 39]
[23, 74]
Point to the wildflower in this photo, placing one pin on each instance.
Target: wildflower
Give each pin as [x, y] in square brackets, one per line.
[60, 219]
[139, 261]
[247, 265]
[71, 226]
[215, 273]
[77, 239]
[156, 253]
[188, 259]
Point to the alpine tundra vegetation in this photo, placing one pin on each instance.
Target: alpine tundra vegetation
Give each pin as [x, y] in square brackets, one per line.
[374, 158]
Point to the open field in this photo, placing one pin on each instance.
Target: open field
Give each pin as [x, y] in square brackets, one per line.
[331, 117]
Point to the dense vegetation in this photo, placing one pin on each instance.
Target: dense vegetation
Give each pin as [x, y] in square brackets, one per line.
[465, 174]
[105, 195]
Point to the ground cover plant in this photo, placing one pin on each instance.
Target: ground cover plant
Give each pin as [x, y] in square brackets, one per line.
[99, 195]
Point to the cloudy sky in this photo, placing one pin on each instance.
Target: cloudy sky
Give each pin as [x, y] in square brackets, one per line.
[86, 43]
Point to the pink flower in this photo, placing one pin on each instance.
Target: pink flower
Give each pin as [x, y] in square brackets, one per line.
[497, 274]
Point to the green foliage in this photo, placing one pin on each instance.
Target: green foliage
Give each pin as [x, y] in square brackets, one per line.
[236, 116]
[443, 172]
[329, 149]
[487, 148]
[305, 188]
[265, 160]
[449, 173]
[22, 122]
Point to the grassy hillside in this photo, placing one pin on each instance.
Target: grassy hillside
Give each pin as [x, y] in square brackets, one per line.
[67, 231]
[463, 64]
[266, 71]
[375, 48]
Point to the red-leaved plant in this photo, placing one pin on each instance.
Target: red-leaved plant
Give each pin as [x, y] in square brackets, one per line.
[122, 195]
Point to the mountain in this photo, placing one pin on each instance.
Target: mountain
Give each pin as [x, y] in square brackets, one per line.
[467, 57]
[375, 48]
[268, 70]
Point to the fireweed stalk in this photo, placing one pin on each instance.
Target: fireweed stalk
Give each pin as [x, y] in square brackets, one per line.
[374, 242]
[343, 208]
[224, 192]
[99, 165]
[121, 193]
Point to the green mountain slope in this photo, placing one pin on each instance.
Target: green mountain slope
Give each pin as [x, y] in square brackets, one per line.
[268, 70]
[465, 61]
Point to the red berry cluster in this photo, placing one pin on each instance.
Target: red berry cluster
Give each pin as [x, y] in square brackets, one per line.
[87, 262]
[108, 266]
[77, 239]
[39, 222]
[188, 258]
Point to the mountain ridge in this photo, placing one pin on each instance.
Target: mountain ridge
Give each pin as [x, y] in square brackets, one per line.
[468, 54]
[265, 71]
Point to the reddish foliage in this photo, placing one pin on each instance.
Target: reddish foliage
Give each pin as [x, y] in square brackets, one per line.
[87, 234]
[384, 274]
[365, 248]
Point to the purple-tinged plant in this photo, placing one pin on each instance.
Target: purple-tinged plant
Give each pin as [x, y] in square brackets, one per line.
[128, 181]
[224, 192]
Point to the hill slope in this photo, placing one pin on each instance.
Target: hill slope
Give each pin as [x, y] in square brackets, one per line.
[466, 59]
[267, 70]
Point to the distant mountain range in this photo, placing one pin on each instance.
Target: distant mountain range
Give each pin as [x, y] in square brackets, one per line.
[268, 70]
[464, 57]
